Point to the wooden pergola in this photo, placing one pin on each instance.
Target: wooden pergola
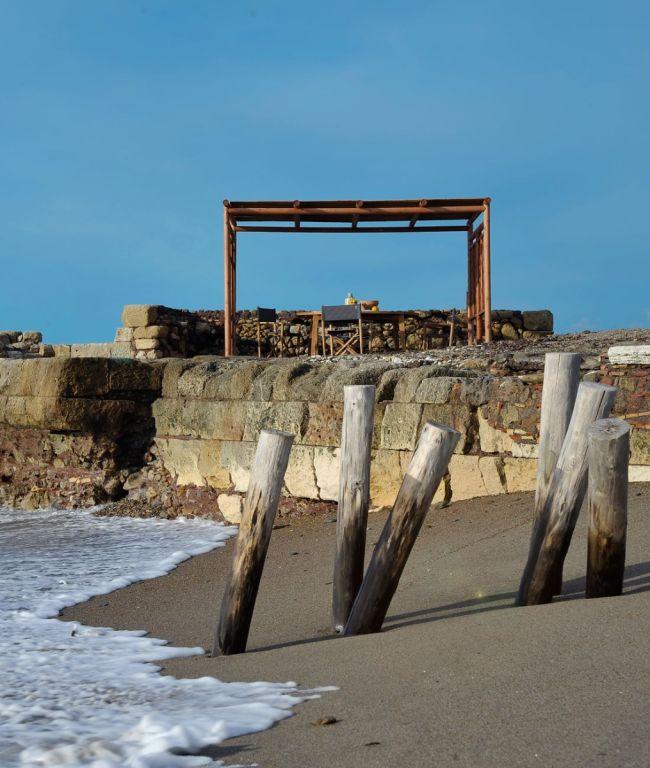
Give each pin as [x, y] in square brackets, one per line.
[365, 217]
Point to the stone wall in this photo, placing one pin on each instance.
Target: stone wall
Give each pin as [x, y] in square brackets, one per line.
[179, 435]
[152, 332]
[21, 344]
[72, 431]
[210, 414]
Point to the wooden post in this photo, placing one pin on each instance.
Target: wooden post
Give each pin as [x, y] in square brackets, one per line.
[555, 524]
[229, 284]
[470, 276]
[561, 380]
[260, 506]
[426, 470]
[354, 499]
[608, 454]
[452, 327]
[486, 274]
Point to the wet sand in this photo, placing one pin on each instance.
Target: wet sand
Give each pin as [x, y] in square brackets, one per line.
[458, 677]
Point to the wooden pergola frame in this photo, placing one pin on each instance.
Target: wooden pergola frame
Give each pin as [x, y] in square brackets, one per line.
[365, 217]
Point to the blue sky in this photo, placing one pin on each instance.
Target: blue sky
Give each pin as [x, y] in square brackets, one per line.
[124, 124]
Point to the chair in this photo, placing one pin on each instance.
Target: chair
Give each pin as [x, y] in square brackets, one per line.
[342, 326]
[276, 335]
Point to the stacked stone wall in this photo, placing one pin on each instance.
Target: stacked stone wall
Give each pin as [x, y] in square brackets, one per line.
[152, 332]
[179, 435]
[72, 431]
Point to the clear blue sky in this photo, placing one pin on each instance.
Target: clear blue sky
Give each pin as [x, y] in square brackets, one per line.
[124, 124]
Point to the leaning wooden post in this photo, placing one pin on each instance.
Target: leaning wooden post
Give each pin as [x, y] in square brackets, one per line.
[561, 380]
[424, 473]
[260, 506]
[553, 532]
[609, 451]
[354, 499]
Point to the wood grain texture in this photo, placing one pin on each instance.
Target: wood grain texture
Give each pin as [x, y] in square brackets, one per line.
[354, 499]
[554, 526]
[561, 380]
[608, 457]
[260, 507]
[426, 470]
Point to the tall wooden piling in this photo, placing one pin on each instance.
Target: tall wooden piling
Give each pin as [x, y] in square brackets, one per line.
[260, 506]
[424, 473]
[561, 380]
[608, 455]
[354, 499]
[554, 529]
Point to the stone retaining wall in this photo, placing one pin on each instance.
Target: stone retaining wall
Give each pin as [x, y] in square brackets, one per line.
[179, 435]
[152, 332]
[72, 431]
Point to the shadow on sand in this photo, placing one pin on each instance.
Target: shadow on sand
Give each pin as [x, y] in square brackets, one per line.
[636, 579]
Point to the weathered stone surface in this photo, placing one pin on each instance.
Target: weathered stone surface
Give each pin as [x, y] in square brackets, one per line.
[230, 506]
[409, 381]
[62, 350]
[326, 468]
[151, 332]
[122, 350]
[494, 440]
[520, 474]
[364, 373]
[640, 446]
[630, 355]
[91, 350]
[285, 416]
[300, 478]
[301, 381]
[638, 474]
[124, 335]
[200, 418]
[466, 478]
[436, 389]
[538, 320]
[456, 415]
[237, 459]
[324, 424]
[135, 315]
[508, 331]
[145, 344]
[385, 478]
[400, 426]
[181, 459]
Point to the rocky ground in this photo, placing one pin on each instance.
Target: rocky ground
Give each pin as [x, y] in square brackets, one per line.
[519, 355]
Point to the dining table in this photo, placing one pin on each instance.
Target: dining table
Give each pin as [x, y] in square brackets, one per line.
[396, 317]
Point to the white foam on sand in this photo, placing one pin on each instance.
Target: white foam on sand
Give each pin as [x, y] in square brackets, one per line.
[79, 696]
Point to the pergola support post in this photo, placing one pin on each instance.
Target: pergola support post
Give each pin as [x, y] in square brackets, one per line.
[229, 284]
[487, 289]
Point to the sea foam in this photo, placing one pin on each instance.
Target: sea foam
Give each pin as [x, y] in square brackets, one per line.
[80, 696]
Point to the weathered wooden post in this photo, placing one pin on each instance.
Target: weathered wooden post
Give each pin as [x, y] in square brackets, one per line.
[424, 473]
[561, 380]
[354, 499]
[260, 506]
[608, 455]
[557, 520]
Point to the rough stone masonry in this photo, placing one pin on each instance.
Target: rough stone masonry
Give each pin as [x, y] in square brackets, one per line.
[178, 435]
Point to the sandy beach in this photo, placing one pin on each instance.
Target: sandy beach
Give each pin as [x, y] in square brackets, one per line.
[458, 677]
